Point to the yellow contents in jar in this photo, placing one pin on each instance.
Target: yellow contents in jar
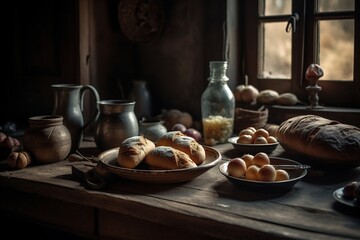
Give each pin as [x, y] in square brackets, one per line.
[217, 129]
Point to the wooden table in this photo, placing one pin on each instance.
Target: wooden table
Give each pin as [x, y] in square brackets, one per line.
[207, 207]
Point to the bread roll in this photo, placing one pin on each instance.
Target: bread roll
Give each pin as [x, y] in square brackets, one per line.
[168, 138]
[321, 139]
[191, 147]
[133, 151]
[168, 158]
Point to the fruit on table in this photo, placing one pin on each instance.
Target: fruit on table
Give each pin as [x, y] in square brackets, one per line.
[179, 127]
[18, 160]
[245, 93]
[349, 189]
[174, 116]
[192, 132]
[8, 144]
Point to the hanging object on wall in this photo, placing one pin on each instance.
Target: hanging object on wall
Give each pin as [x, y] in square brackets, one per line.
[141, 20]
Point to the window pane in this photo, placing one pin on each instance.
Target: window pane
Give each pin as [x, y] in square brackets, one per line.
[336, 54]
[336, 5]
[275, 52]
[276, 7]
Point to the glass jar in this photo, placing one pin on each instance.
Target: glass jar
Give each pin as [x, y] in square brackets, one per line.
[217, 106]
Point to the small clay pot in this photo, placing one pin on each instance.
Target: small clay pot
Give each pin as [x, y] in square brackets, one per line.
[47, 139]
[152, 129]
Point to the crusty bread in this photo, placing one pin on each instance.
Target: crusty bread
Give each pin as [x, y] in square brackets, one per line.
[321, 139]
[191, 147]
[168, 138]
[168, 158]
[133, 150]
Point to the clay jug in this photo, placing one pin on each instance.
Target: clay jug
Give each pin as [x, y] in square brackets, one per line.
[69, 104]
[116, 122]
[47, 139]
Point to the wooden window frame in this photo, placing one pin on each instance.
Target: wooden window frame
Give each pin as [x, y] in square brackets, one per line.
[334, 93]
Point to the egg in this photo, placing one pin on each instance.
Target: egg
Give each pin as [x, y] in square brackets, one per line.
[251, 129]
[248, 159]
[261, 159]
[252, 173]
[281, 175]
[261, 133]
[245, 139]
[236, 167]
[260, 140]
[267, 173]
[246, 132]
[271, 139]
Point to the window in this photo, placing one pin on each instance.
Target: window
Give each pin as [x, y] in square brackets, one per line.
[281, 38]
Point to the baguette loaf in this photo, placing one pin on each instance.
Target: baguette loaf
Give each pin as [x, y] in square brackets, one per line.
[168, 138]
[322, 139]
[168, 158]
[133, 151]
[191, 147]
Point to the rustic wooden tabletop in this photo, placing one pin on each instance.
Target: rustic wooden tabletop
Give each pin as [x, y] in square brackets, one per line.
[209, 205]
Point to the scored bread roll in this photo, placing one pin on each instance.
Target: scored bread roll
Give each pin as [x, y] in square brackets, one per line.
[133, 150]
[191, 147]
[168, 138]
[322, 139]
[168, 158]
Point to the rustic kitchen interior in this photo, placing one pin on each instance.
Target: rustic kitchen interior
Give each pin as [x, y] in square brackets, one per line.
[111, 45]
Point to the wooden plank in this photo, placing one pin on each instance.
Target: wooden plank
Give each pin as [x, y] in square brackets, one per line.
[65, 216]
[208, 205]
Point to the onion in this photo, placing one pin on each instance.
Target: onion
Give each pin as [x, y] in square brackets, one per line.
[179, 127]
[192, 132]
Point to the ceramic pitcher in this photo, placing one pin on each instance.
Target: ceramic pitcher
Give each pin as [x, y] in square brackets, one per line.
[117, 121]
[141, 95]
[69, 104]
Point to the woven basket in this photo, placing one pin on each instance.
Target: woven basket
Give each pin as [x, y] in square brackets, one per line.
[249, 118]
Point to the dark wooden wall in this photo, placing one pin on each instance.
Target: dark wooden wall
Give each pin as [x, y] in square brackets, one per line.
[42, 48]
[175, 64]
